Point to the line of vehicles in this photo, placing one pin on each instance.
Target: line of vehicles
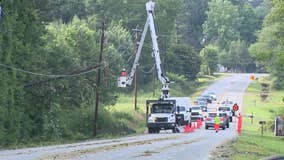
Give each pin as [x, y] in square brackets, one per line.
[225, 112]
[173, 112]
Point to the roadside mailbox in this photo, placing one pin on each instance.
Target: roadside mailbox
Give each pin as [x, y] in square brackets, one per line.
[279, 126]
[262, 123]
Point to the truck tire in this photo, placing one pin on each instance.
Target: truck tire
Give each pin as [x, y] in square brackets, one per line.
[174, 130]
[150, 130]
[157, 130]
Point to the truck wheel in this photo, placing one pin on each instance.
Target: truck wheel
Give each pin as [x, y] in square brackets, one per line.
[158, 131]
[174, 130]
[150, 130]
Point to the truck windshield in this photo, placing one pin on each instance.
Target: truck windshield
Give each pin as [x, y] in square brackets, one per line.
[195, 114]
[224, 109]
[162, 108]
[195, 108]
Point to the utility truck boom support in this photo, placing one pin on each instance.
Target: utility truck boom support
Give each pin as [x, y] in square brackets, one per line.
[126, 80]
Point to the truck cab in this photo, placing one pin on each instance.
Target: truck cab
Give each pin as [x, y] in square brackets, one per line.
[161, 115]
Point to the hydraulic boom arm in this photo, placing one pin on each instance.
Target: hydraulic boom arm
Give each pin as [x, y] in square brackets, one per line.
[124, 80]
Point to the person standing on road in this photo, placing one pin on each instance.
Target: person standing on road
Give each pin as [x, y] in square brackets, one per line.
[216, 123]
[240, 121]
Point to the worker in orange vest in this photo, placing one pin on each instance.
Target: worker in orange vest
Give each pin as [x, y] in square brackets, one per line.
[240, 121]
[217, 123]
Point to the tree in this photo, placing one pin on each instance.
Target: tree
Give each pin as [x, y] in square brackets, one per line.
[209, 56]
[20, 47]
[184, 60]
[190, 20]
[222, 24]
[269, 48]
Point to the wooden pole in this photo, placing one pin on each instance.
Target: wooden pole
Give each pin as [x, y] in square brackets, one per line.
[99, 81]
[136, 73]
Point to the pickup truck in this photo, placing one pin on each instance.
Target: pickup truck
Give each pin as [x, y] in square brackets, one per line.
[182, 110]
[228, 110]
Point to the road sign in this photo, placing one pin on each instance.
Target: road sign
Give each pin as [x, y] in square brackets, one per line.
[235, 107]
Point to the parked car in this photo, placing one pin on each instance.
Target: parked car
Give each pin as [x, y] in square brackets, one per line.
[209, 121]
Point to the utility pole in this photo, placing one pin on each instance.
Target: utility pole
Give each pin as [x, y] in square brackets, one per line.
[99, 80]
[136, 30]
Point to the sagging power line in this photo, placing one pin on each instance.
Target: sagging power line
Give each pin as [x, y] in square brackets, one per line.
[51, 75]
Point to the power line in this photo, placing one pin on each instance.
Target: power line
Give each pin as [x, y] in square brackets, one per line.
[50, 75]
[80, 72]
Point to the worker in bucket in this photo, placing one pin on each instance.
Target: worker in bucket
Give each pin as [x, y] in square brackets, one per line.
[216, 123]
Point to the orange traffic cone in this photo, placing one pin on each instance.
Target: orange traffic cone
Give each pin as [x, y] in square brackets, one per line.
[198, 123]
[193, 125]
[186, 128]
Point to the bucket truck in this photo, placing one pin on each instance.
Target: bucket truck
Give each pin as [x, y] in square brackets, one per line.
[160, 114]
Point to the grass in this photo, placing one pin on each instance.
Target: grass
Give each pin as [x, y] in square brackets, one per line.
[251, 145]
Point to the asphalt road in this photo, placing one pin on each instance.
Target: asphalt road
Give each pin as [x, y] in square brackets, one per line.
[197, 145]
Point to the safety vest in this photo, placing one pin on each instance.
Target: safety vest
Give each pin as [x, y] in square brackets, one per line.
[217, 120]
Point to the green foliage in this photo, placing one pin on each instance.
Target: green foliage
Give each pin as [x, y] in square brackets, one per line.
[209, 56]
[184, 61]
[269, 49]
[222, 24]
[190, 20]
[239, 57]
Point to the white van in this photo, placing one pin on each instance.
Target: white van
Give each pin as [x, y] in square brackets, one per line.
[182, 110]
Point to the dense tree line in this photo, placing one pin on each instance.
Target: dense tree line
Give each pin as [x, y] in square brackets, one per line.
[45, 45]
[269, 48]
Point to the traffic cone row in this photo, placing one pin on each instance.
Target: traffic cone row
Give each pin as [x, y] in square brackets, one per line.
[199, 123]
[189, 128]
[195, 125]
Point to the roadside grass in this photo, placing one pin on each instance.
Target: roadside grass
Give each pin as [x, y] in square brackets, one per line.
[251, 145]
